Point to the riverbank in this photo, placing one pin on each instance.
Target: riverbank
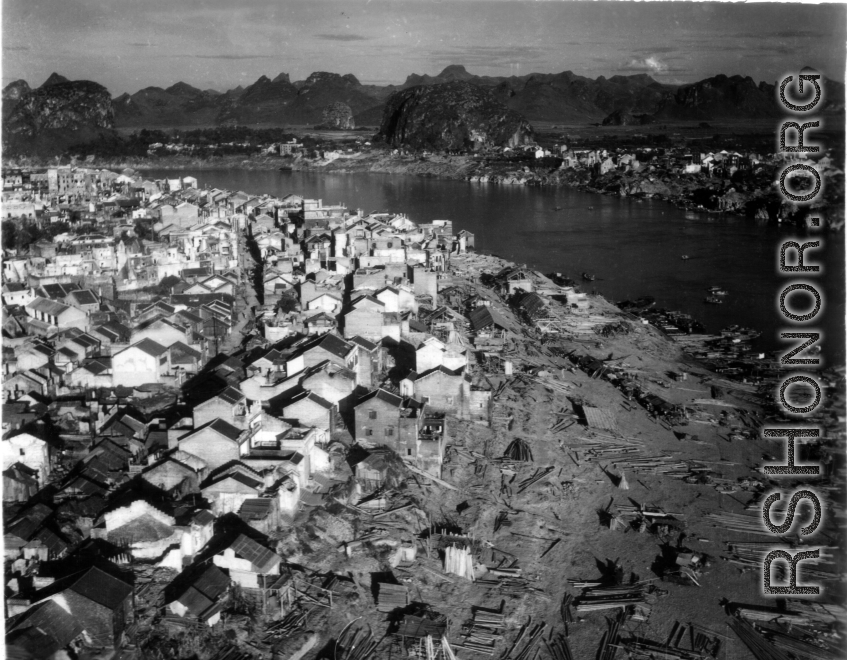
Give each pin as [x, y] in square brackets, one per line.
[757, 197]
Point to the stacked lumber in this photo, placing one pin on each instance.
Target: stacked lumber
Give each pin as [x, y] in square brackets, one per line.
[486, 619]
[479, 643]
[518, 450]
[355, 644]
[758, 645]
[738, 522]
[610, 642]
[459, 561]
[553, 384]
[594, 599]
[559, 648]
[532, 636]
[230, 652]
[391, 596]
[812, 646]
[512, 586]
[818, 613]
[535, 478]
[292, 621]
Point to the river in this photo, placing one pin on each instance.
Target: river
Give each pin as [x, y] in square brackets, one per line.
[633, 247]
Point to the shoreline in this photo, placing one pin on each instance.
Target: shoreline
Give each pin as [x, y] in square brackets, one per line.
[762, 203]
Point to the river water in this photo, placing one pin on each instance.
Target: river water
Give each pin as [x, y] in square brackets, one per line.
[633, 247]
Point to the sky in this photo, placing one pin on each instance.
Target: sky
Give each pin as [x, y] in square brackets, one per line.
[127, 45]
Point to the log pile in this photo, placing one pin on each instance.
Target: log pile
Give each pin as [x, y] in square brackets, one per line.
[532, 635]
[518, 450]
[559, 648]
[535, 478]
[292, 621]
[596, 598]
[459, 561]
[758, 645]
[355, 644]
[738, 522]
[484, 631]
[609, 643]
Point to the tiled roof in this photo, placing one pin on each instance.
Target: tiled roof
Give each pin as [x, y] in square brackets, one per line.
[43, 629]
[364, 343]
[46, 306]
[150, 347]
[382, 395]
[84, 297]
[330, 343]
[102, 588]
[230, 395]
[224, 428]
[255, 508]
[262, 558]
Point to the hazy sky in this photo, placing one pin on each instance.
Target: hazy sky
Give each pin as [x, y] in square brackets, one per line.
[130, 44]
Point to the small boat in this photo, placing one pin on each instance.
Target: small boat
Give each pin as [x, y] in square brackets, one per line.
[713, 300]
[684, 257]
[587, 277]
[558, 208]
[717, 291]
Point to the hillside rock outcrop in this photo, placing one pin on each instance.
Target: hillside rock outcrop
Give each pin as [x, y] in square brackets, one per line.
[61, 105]
[338, 115]
[453, 115]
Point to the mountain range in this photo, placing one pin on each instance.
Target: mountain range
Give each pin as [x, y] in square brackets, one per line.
[547, 97]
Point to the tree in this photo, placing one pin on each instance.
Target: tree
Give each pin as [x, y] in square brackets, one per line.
[9, 236]
[143, 231]
[287, 303]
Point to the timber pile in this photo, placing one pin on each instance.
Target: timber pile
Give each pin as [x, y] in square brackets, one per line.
[518, 450]
[559, 648]
[230, 652]
[817, 613]
[751, 555]
[609, 644]
[705, 647]
[652, 513]
[540, 474]
[633, 461]
[511, 585]
[459, 561]
[552, 384]
[758, 645]
[594, 599]
[738, 522]
[391, 597]
[292, 621]
[484, 631]
[532, 635]
[355, 644]
[801, 643]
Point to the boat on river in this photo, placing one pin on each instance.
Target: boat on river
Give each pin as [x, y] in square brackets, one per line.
[685, 257]
[588, 278]
[713, 300]
[717, 291]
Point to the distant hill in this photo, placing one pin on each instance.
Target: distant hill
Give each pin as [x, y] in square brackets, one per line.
[452, 115]
[563, 97]
[57, 114]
